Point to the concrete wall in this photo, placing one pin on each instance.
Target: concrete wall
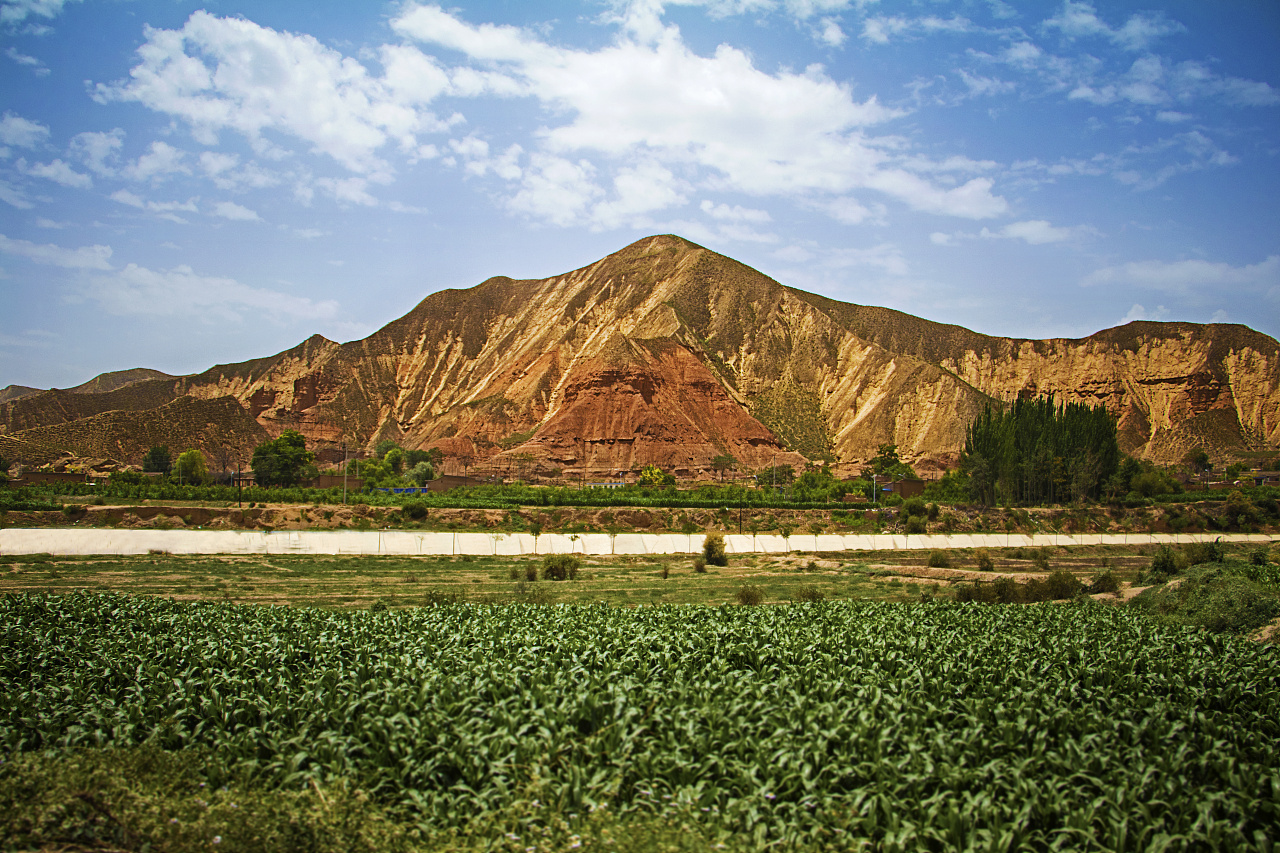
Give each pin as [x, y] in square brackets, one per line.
[412, 543]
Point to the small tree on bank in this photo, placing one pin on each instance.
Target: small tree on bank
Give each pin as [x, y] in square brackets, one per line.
[281, 461]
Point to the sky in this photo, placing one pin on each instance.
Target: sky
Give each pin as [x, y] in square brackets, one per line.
[184, 184]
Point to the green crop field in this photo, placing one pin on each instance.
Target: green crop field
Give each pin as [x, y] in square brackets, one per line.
[844, 725]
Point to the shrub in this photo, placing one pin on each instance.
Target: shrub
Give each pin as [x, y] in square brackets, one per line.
[914, 506]
[1258, 557]
[531, 572]
[1105, 582]
[666, 571]
[916, 524]
[713, 550]
[939, 560]
[415, 509]
[1007, 590]
[1041, 559]
[932, 511]
[76, 511]
[810, 595]
[559, 567]
[700, 565]
[985, 563]
[1062, 584]
[1204, 552]
[750, 595]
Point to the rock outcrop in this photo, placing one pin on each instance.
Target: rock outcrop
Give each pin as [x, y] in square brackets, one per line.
[667, 353]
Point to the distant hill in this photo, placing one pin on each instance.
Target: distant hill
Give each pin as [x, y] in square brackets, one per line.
[106, 382]
[13, 392]
[668, 353]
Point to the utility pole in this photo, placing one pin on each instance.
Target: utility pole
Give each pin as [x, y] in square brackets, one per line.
[344, 472]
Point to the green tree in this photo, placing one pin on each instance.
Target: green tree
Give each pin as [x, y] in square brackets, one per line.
[395, 458]
[191, 468]
[281, 461]
[1198, 459]
[421, 474]
[382, 448]
[157, 460]
[722, 463]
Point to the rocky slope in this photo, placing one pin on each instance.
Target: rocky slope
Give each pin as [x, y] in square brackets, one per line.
[671, 354]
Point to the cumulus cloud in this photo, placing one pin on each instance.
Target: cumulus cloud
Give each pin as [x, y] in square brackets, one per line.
[83, 258]
[24, 133]
[232, 74]
[181, 292]
[739, 127]
[58, 172]
[1138, 312]
[1080, 20]
[231, 210]
[163, 209]
[1186, 276]
[1034, 231]
[98, 151]
[37, 67]
[160, 161]
[17, 11]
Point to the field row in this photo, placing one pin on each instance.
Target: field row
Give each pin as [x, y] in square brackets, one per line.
[930, 726]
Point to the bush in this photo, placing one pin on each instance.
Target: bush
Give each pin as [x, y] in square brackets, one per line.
[1258, 557]
[810, 595]
[1062, 584]
[75, 511]
[1007, 590]
[985, 563]
[750, 595]
[713, 550]
[939, 560]
[916, 524]
[1041, 559]
[1198, 553]
[933, 512]
[415, 509]
[914, 506]
[1105, 582]
[559, 567]
[1215, 600]
[700, 565]
[1165, 564]
[531, 572]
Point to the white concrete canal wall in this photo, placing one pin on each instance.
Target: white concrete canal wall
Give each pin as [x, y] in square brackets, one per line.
[62, 541]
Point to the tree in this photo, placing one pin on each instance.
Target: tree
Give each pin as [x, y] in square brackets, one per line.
[723, 463]
[652, 475]
[395, 458]
[886, 463]
[1198, 460]
[382, 448]
[421, 474]
[191, 467]
[281, 461]
[157, 460]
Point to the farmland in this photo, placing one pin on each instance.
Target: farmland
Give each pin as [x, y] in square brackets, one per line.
[915, 726]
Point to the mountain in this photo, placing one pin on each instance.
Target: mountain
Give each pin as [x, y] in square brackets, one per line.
[104, 382]
[668, 353]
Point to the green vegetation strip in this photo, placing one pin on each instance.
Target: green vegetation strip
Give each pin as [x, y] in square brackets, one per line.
[919, 727]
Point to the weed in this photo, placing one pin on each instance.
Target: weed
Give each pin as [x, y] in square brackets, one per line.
[713, 549]
[939, 560]
[560, 567]
[750, 595]
[985, 563]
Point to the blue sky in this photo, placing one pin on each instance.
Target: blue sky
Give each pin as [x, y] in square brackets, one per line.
[183, 184]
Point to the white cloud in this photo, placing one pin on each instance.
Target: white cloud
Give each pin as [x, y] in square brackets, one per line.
[231, 210]
[350, 190]
[58, 172]
[638, 190]
[163, 209]
[744, 129]
[1220, 316]
[1186, 276]
[98, 151]
[1080, 20]
[180, 292]
[16, 130]
[17, 11]
[831, 34]
[1138, 312]
[83, 258]
[734, 213]
[160, 161]
[940, 239]
[232, 74]
[37, 67]
[881, 29]
[1173, 116]
[14, 197]
[1036, 232]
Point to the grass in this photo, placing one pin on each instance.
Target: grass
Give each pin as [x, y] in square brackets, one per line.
[360, 582]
